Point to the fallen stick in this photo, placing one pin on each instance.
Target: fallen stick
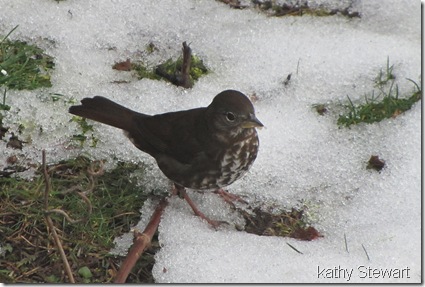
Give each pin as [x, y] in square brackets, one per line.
[49, 221]
[140, 243]
[185, 69]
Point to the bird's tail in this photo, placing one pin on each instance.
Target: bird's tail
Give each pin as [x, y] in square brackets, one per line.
[105, 111]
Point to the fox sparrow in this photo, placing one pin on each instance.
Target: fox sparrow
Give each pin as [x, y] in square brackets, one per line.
[202, 148]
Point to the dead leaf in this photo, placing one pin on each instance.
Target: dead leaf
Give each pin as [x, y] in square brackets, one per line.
[122, 66]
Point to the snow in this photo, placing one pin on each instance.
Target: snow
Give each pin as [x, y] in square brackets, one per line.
[303, 157]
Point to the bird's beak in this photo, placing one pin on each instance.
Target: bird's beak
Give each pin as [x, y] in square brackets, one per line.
[252, 122]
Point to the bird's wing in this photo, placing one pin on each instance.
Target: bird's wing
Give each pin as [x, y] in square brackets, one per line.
[174, 134]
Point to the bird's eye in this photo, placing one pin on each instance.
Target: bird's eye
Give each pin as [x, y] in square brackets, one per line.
[230, 116]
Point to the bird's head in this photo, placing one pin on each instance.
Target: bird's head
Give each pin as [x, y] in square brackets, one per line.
[231, 112]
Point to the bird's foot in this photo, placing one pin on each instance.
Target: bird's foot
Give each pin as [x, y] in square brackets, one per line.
[229, 197]
[181, 192]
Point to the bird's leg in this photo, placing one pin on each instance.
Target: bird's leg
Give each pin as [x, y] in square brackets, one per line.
[229, 197]
[181, 192]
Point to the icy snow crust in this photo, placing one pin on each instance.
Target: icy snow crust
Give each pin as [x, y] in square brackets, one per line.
[303, 157]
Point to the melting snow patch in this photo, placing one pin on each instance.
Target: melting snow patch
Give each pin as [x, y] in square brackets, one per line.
[371, 221]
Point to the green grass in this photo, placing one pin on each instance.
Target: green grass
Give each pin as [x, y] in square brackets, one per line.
[85, 129]
[170, 70]
[385, 76]
[144, 72]
[24, 66]
[386, 104]
[383, 102]
[27, 250]
[285, 8]
[266, 220]
[3, 108]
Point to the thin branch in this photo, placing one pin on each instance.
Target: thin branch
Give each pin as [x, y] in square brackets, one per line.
[87, 201]
[47, 186]
[100, 170]
[346, 243]
[365, 251]
[141, 242]
[294, 248]
[60, 211]
[185, 70]
[50, 222]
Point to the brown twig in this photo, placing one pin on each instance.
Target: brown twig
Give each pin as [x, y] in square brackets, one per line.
[60, 211]
[92, 175]
[236, 4]
[92, 183]
[87, 201]
[50, 222]
[141, 242]
[96, 172]
[185, 70]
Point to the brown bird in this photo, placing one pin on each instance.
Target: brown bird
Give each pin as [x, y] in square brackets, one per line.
[203, 148]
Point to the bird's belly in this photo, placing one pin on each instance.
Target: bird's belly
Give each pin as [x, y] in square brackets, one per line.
[228, 167]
